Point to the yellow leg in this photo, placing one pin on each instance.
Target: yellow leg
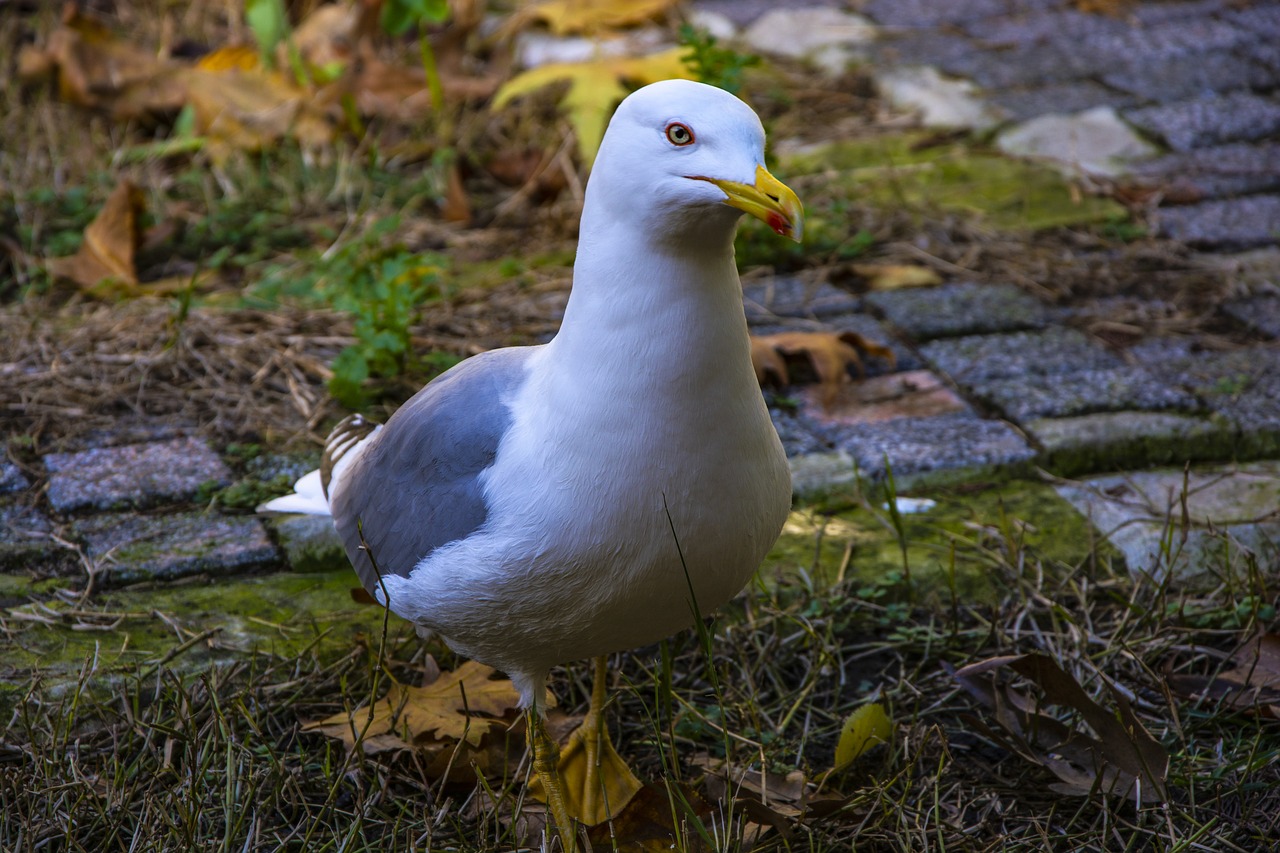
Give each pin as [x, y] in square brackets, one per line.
[594, 734]
[546, 758]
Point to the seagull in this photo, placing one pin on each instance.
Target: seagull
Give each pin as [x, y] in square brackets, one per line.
[537, 505]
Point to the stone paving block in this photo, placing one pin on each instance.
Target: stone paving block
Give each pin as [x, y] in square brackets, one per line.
[1231, 512]
[1033, 29]
[950, 448]
[744, 12]
[984, 357]
[1166, 39]
[1108, 441]
[133, 475]
[798, 438]
[1174, 78]
[1169, 10]
[12, 478]
[931, 13]
[1211, 120]
[1082, 392]
[310, 543]
[1224, 170]
[920, 47]
[1242, 386]
[1260, 313]
[965, 308]
[1235, 223]
[26, 543]
[1261, 19]
[786, 296]
[1073, 97]
[1032, 65]
[132, 548]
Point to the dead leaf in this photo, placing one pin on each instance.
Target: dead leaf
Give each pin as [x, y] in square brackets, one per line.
[659, 818]
[1122, 760]
[106, 256]
[444, 709]
[586, 16]
[595, 88]
[896, 276]
[828, 354]
[1252, 684]
[251, 109]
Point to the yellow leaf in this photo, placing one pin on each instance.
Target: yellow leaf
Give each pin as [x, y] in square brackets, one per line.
[442, 710]
[238, 58]
[895, 276]
[595, 88]
[863, 729]
[585, 16]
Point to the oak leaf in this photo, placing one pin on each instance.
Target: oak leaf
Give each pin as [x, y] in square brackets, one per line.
[445, 709]
[828, 354]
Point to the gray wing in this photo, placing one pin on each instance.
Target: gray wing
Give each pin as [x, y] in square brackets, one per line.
[416, 486]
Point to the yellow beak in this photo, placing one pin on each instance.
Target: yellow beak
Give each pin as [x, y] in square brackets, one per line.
[769, 200]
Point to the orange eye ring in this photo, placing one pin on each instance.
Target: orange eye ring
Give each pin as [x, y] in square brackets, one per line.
[679, 133]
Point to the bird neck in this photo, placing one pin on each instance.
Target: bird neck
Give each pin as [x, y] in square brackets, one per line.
[664, 305]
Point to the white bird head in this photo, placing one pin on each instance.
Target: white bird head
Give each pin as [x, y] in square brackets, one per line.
[680, 158]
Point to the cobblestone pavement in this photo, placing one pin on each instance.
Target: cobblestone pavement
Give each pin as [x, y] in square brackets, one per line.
[989, 382]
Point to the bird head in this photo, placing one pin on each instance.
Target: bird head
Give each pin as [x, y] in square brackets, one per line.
[681, 157]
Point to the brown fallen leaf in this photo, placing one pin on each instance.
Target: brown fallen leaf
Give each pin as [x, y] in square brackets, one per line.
[443, 709]
[828, 354]
[896, 276]
[105, 261]
[1122, 760]
[1251, 685]
[657, 819]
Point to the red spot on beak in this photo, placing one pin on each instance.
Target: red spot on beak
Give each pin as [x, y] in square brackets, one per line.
[778, 224]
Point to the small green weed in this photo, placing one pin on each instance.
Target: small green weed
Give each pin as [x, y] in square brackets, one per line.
[718, 66]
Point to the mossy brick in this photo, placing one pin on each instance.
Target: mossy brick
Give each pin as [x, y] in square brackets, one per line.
[1210, 120]
[12, 479]
[787, 296]
[984, 357]
[27, 543]
[1061, 395]
[944, 449]
[1236, 223]
[132, 475]
[963, 308]
[131, 548]
[1228, 526]
[1111, 441]
[310, 542]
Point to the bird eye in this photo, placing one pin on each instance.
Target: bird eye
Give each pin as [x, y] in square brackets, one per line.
[679, 134]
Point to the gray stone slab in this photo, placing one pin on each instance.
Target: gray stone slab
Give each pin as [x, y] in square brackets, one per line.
[1231, 511]
[1261, 19]
[1236, 223]
[1224, 170]
[1115, 440]
[12, 479]
[1052, 25]
[744, 12]
[1036, 65]
[986, 357]
[798, 437]
[1242, 386]
[133, 475]
[931, 13]
[949, 448]
[1170, 10]
[131, 548]
[1082, 392]
[1074, 97]
[1260, 313]
[1211, 120]
[965, 308]
[787, 296]
[1160, 41]
[1174, 78]
[27, 544]
[920, 47]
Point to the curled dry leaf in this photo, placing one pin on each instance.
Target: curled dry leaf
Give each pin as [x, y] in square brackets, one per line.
[896, 276]
[1251, 684]
[828, 354]
[105, 258]
[1122, 760]
[445, 709]
[658, 818]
